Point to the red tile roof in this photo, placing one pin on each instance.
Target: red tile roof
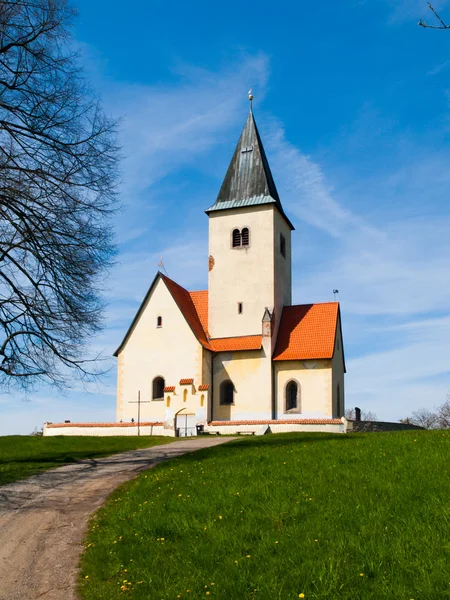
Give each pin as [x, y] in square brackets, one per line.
[203, 387]
[231, 344]
[128, 424]
[186, 381]
[187, 307]
[200, 300]
[307, 331]
[169, 388]
[278, 422]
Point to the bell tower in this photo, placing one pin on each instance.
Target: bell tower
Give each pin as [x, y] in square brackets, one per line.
[249, 244]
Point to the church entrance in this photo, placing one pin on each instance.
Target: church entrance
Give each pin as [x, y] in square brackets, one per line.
[185, 424]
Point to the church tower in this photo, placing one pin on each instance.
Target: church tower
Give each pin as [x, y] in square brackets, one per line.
[249, 245]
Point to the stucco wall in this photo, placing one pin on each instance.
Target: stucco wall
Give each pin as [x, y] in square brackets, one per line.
[101, 431]
[314, 378]
[171, 351]
[241, 275]
[282, 271]
[250, 372]
[338, 374]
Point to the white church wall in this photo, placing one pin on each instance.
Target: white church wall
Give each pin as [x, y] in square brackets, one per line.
[338, 374]
[282, 270]
[315, 380]
[170, 351]
[250, 372]
[240, 275]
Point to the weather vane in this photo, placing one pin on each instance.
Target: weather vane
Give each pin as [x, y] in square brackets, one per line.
[161, 265]
[250, 97]
[335, 292]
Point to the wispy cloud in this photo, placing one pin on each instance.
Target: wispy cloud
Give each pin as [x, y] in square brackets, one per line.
[438, 68]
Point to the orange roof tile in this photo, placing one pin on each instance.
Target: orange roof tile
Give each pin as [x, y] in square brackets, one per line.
[232, 344]
[186, 381]
[200, 300]
[307, 331]
[203, 387]
[278, 422]
[169, 388]
[187, 307]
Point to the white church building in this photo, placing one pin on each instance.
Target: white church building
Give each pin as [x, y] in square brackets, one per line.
[237, 356]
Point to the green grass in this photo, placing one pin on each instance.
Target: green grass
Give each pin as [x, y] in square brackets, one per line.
[22, 456]
[327, 516]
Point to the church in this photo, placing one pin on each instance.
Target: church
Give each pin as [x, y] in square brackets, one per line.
[237, 357]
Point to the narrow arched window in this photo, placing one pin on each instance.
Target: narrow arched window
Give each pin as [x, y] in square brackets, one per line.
[245, 234]
[158, 388]
[338, 401]
[226, 392]
[202, 400]
[185, 396]
[292, 400]
[282, 244]
[236, 238]
[168, 402]
[159, 322]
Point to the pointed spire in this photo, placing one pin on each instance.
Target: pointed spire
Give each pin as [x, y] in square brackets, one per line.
[248, 180]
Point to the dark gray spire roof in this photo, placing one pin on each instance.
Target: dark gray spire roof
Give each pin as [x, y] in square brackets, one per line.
[248, 180]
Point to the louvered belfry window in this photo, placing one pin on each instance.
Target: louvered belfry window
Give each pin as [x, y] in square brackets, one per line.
[241, 239]
[236, 238]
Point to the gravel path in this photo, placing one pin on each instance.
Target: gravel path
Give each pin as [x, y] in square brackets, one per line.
[43, 519]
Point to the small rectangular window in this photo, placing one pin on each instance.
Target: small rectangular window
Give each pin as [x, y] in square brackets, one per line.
[240, 308]
[159, 322]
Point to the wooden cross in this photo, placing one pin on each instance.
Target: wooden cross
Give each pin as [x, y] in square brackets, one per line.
[139, 402]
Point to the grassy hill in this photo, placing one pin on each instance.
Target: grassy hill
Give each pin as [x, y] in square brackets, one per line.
[281, 517]
[22, 456]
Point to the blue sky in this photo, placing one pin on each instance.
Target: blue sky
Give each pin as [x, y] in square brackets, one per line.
[353, 103]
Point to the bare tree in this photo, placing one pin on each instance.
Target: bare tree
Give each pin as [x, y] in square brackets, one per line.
[443, 414]
[424, 418]
[440, 419]
[58, 176]
[441, 25]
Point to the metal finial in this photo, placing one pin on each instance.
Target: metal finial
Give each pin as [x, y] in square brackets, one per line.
[250, 97]
[161, 265]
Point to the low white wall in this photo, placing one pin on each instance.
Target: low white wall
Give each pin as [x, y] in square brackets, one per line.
[260, 428]
[105, 430]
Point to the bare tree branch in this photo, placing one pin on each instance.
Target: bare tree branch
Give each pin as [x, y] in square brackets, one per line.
[442, 24]
[58, 179]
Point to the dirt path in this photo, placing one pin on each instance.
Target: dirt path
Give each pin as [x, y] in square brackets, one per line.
[44, 518]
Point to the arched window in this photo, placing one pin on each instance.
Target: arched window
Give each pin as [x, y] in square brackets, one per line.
[159, 322]
[292, 396]
[338, 401]
[245, 237]
[236, 238]
[168, 402]
[185, 396]
[202, 400]
[282, 244]
[226, 392]
[158, 388]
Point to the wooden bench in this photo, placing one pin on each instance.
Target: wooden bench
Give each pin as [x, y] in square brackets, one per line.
[209, 432]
